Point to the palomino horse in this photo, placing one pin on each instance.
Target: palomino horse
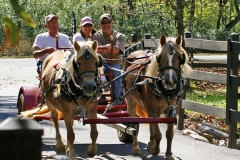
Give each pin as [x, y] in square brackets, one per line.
[159, 89]
[72, 90]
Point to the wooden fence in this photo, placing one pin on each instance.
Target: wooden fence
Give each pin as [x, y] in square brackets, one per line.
[233, 82]
[229, 59]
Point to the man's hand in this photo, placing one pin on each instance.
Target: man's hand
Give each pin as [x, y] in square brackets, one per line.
[104, 49]
[49, 50]
[108, 47]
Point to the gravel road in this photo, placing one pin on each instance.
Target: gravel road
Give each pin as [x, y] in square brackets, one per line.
[16, 73]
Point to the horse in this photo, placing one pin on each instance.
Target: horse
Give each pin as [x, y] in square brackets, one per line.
[159, 86]
[71, 89]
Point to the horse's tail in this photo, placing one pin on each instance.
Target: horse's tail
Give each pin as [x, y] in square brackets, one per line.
[141, 112]
[60, 115]
[39, 110]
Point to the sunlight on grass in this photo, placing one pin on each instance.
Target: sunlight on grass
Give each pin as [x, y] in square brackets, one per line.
[212, 98]
[217, 99]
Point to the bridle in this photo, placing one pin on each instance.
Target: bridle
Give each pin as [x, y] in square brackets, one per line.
[71, 90]
[81, 76]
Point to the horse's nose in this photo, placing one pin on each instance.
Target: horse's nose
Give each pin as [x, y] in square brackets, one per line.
[89, 86]
[171, 79]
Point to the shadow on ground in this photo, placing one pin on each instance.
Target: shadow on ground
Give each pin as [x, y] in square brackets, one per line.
[118, 151]
[8, 107]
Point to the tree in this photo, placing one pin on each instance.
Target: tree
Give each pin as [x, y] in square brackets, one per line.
[11, 30]
[233, 22]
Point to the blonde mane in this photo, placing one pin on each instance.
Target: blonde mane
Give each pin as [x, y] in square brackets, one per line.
[152, 69]
[68, 66]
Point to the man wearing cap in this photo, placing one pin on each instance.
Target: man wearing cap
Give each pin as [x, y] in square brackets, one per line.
[45, 43]
[86, 30]
[104, 41]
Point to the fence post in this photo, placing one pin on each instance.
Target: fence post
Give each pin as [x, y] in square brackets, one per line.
[188, 34]
[20, 139]
[133, 37]
[235, 37]
[181, 112]
[232, 91]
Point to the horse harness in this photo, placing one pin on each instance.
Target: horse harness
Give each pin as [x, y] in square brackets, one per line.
[69, 89]
[157, 86]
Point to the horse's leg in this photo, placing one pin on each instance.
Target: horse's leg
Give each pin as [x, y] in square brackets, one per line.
[67, 145]
[169, 136]
[70, 134]
[155, 134]
[92, 148]
[131, 106]
[60, 148]
[155, 138]
[91, 112]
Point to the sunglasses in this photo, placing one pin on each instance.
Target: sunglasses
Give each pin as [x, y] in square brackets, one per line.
[107, 22]
[87, 25]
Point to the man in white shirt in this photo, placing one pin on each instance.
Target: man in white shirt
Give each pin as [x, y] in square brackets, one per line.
[45, 43]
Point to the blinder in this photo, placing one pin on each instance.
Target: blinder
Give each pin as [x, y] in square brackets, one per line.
[100, 61]
[182, 59]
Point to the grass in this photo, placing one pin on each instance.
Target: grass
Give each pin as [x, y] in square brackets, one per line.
[212, 98]
[216, 98]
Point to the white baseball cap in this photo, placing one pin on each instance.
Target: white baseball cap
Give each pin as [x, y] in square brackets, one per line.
[49, 17]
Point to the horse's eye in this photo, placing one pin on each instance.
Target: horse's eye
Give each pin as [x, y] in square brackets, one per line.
[79, 64]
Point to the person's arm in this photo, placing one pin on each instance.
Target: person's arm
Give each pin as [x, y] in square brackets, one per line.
[37, 52]
[107, 48]
[119, 46]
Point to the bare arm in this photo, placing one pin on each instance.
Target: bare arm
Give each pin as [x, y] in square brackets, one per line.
[107, 48]
[37, 53]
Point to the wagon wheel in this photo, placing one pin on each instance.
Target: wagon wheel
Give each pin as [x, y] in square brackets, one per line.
[20, 103]
[124, 137]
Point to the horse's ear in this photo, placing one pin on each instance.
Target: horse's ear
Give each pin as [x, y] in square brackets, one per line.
[182, 59]
[100, 61]
[179, 40]
[76, 46]
[95, 45]
[162, 40]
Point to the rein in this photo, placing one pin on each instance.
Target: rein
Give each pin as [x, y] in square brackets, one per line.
[126, 59]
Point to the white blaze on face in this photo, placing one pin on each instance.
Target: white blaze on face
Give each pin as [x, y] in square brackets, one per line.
[170, 64]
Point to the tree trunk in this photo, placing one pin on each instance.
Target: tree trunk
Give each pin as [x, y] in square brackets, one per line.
[191, 17]
[179, 15]
[232, 23]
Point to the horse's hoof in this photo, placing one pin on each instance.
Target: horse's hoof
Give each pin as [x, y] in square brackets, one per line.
[169, 157]
[152, 149]
[60, 149]
[92, 150]
[136, 151]
[72, 158]
[67, 153]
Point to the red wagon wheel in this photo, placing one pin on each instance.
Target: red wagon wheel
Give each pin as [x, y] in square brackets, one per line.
[20, 103]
